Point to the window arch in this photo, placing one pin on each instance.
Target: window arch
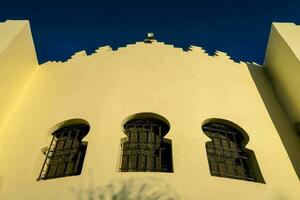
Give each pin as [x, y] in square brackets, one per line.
[65, 155]
[226, 152]
[145, 149]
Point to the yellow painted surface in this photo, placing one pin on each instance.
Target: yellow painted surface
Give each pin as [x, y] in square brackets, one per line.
[17, 64]
[107, 87]
[283, 63]
[285, 129]
[283, 66]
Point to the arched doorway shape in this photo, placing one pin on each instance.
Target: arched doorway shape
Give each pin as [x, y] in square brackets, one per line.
[145, 149]
[226, 152]
[66, 152]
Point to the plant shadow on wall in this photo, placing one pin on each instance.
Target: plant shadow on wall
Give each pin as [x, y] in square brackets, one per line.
[129, 189]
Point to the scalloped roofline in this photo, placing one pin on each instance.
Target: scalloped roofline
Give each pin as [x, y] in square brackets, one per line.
[104, 49]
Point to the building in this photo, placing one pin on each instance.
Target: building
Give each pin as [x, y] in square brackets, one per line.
[149, 121]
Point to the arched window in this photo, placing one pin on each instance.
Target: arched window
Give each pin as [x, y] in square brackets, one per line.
[226, 152]
[145, 149]
[65, 155]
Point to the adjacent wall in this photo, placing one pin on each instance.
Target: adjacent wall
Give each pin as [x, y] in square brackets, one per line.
[285, 128]
[17, 65]
[282, 64]
[282, 61]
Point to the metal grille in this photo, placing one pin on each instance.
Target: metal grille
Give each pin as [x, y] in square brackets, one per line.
[65, 154]
[145, 150]
[225, 152]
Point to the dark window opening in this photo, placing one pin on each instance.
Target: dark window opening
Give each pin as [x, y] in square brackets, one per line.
[227, 156]
[66, 152]
[145, 149]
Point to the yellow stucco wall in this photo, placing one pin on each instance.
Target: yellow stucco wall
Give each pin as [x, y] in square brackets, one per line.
[106, 87]
[281, 121]
[283, 67]
[17, 64]
[282, 61]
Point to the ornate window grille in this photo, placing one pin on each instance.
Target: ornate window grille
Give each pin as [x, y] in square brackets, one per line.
[145, 149]
[66, 152]
[226, 153]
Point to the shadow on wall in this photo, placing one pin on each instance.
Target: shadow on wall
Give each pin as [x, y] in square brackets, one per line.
[129, 189]
[287, 132]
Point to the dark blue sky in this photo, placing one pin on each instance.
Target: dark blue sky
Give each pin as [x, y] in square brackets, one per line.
[238, 27]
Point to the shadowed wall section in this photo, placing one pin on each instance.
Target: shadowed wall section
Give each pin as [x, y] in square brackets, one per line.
[287, 132]
[129, 189]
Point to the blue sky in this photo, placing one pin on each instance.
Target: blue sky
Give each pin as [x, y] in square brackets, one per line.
[237, 27]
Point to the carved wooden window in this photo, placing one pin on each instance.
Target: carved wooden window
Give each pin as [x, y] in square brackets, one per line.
[65, 155]
[227, 156]
[145, 149]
